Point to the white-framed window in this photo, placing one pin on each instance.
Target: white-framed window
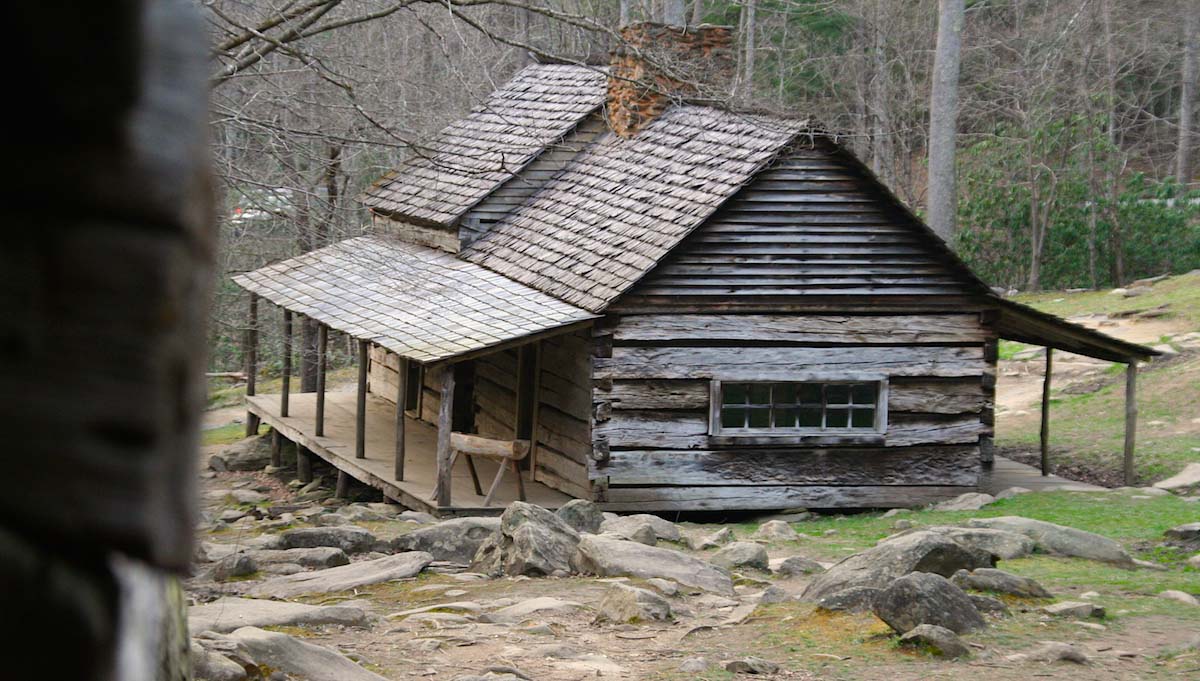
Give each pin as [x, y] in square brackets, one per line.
[828, 407]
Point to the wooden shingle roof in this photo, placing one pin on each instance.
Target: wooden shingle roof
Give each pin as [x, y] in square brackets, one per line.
[415, 301]
[622, 204]
[466, 161]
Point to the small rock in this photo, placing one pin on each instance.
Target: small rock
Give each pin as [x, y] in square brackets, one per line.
[418, 517]
[988, 605]
[1180, 596]
[971, 501]
[624, 604]
[926, 598]
[1010, 492]
[903, 524]
[235, 565]
[774, 594]
[693, 665]
[300, 658]
[794, 565]
[939, 639]
[1094, 626]
[856, 599]
[624, 525]
[1074, 609]
[1055, 651]
[582, 515]
[1194, 561]
[664, 586]
[715, 540]
[751, 665]
[231, 515]
[317, 557]
[456, 540]
[999, 581]
[644, 534]
[542, 605]
[348, 538]
[1188, 532]
[1184, 479]
[246, 496]
[776, 530]
[895, 512]
[742, 554]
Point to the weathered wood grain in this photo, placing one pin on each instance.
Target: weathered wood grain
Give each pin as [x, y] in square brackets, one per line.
[937, 396]
[950, 465]
[880, 329]
[792, 363]
[658, 394]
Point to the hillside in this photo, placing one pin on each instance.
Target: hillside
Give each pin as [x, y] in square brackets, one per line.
[1087, 405]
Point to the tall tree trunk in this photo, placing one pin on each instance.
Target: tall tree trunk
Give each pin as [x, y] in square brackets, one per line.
[1187, 96]
[748, 61]
[697, 12]
[882, 160]
[943, 119]
[1116, 230]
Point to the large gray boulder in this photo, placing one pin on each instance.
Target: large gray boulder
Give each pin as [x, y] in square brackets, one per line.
[582, 515]
[229, 613]
[1060, 540]
[1189, 532]
[925, 598]
[250, 454]
[626, 525]
[352, 576]
[1002, 544]
[741, 554]
[854, 599]
[209, 665]
[895, 557]
[608, 557]
[300, 658]
[455, 541]
[530, 541]
[999, 581]
[348, 538]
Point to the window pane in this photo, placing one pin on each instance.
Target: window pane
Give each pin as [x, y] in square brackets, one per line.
[734, 393]
[837, 418]
[810, 417]
[837, 394]
[760, 393]
[810, 393]
[733, 417]
[785, 393]
[760, 418]
[785, 417]
[863, 418]
[864, 393]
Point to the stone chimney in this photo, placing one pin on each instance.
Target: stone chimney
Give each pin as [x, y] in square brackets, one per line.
[656, 65]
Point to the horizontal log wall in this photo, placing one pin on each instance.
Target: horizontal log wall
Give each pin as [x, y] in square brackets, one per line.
[496, 395]
[651, 408]
[564, 414]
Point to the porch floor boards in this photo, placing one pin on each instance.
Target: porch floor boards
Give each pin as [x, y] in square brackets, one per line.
[1007, 473]
[336, 448]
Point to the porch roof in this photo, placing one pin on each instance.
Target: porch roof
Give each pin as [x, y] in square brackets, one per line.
[1025, 324]
[418, 302]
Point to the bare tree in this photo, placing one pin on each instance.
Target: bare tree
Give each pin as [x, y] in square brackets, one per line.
[943, 119]
[1187, 94]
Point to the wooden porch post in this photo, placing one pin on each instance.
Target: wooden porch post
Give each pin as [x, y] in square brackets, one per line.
[343, 485]
[303, 464]
[445, 423]
[1130, 419]
[1045, 432]
[322, 344]
[401, 405]
[360, 416]
[287, 363]
[252, 363]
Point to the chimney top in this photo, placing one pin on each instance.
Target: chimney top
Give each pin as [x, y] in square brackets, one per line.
[657, 64]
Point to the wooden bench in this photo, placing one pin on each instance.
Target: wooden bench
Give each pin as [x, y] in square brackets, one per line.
[506, 453]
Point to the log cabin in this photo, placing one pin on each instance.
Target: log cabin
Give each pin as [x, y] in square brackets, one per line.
[606, 284]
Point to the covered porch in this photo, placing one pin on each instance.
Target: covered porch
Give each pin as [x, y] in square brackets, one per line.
[378, 465]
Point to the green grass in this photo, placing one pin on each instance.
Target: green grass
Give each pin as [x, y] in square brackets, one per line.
[1181, 293]
[226, 435]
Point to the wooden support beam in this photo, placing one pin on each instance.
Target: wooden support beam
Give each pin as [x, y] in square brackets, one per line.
[401, 406]
[287, 363]
[1131, 411]
[1045, 431]
[445, 426]
[303, 464]
[360, 414]
[343, 485]
[251, 350]
[535, 417]
[276, 448]
[322, 367]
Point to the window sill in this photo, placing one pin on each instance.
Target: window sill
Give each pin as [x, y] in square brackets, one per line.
[810, 439]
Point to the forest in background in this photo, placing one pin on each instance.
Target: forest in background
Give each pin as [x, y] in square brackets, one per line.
[1069, 142]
